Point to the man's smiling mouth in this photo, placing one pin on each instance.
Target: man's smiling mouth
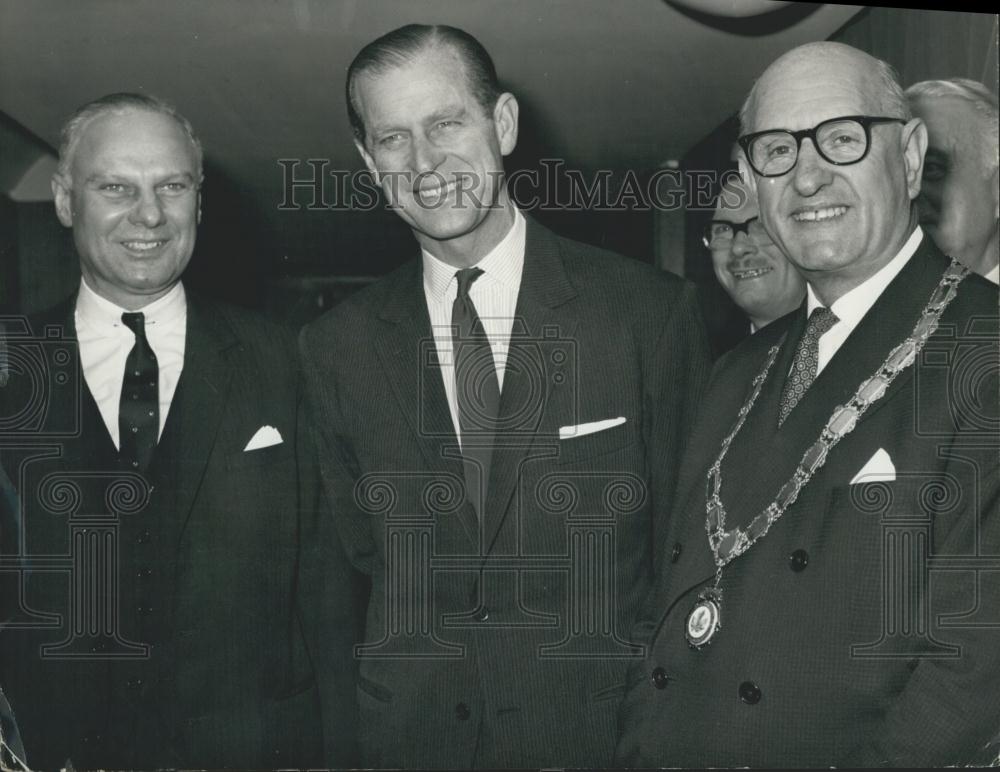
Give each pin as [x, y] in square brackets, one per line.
[143, 245]
[743, 274]
[819, 215]
[436, 193]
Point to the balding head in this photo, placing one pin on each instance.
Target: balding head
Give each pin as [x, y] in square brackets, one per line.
[118, 103]
[878, 81]
[843, 215]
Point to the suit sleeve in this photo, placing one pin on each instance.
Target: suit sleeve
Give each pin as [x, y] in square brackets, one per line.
[678, 371]
[330, 595]
[338, 466]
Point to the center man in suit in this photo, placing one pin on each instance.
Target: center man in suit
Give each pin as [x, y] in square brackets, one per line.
[836, 599]
[502, 420]
[166, 578]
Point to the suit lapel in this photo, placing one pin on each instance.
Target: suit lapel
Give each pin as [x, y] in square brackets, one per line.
[408, 355]
[751, 480]
[541, 322]
[748, 484]
[202, 392]
[407, 352]
[887, 324]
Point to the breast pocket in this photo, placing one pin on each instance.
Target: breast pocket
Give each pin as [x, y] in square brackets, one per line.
[879, 538]
[601, 443]
[261, 457]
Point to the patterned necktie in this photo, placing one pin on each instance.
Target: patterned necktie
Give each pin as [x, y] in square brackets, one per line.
[477, 389]
[806, 361]
[139, 406]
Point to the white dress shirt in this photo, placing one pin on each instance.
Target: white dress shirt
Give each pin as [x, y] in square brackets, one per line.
[851, 307]
[993, 275]
[494, 294]
[105, 343]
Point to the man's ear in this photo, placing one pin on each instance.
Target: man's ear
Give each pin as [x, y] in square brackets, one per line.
[64, 199]
[996, 192]
[913, 142]
[198, 193]
[505, 113]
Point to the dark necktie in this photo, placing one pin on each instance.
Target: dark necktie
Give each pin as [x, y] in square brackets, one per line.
[477, 390]
[806, 361]
[139, 407]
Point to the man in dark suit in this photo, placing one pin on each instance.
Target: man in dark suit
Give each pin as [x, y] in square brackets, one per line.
[171, 606]
[502, 420]
[834, 599]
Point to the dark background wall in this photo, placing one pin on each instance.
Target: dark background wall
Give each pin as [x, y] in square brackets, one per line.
[298, 273]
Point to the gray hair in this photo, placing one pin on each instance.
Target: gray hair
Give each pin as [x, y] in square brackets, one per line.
[887, 93]
[73, 129]
[983, 101]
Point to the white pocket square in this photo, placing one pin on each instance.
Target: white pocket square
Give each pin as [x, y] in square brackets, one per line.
[878, 469]
[265, 437]
[565, 432]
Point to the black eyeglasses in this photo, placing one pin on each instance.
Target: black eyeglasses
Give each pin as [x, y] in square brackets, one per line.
[841, 141]
[720, 233]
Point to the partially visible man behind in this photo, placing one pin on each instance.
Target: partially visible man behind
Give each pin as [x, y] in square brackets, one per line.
[502, 421]
[166, 591]
[835, 602]
[748, 265]
[959, 199]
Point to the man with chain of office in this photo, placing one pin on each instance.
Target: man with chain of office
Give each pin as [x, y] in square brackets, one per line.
[832, 593]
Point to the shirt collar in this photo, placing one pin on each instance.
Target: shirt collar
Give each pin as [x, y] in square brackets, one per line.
[503, 263]
[96, 310]
[853, 305]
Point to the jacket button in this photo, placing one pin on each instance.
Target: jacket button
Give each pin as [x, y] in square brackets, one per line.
[675, 553]
[483, 614]
[462, 712]
[798, 560]
[750, 693]
[659, 678]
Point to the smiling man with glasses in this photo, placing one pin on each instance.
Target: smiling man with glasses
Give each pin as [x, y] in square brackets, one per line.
[836, 163]
[832, 592]
[748, 265]
[841, 141]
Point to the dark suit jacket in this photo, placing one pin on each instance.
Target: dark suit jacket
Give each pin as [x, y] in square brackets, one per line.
[504, 642]
[862, 629]
[726, 322]
[230, 596]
